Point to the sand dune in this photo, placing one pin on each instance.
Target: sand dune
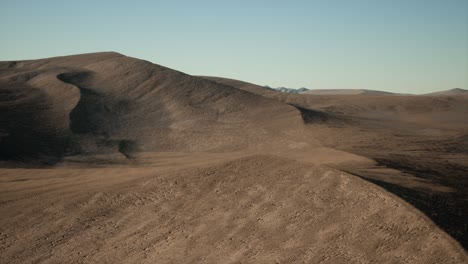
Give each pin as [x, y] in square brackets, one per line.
[257, 209]
[107, 102]
[108, 158]
[416, 141]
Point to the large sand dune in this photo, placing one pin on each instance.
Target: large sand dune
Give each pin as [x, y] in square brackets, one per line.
[107, 102]
[111, 159]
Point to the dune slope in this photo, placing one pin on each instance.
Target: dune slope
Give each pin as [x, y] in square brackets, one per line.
[107, 102]
[417, 142]
[257, 209]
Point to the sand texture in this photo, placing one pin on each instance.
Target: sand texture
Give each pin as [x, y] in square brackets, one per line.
[110, 159]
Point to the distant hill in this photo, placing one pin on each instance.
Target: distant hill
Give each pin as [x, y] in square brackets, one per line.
[451, 92]
[345, 92]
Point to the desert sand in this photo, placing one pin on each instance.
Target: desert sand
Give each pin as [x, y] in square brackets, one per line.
[110, 159]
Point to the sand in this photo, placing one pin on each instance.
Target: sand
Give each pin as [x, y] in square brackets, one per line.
[111, 159]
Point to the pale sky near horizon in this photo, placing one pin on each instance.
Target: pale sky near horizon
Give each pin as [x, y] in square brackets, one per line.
[407, 46]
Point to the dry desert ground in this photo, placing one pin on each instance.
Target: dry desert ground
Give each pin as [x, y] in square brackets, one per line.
[110, 159]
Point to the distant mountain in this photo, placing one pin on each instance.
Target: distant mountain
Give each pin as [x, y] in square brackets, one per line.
[346, 92]
[289, 90]
[451, 92]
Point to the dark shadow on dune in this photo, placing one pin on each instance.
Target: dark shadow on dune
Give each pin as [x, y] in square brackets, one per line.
[310, 116]
[83, 118]
[28, 130]
[128, 148]
[97, 116]
[95, 113]
[449, 210]
[27, 135]
[33, 147]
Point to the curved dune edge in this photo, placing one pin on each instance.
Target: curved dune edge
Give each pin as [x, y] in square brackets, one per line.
[256, 209]
[452, 243]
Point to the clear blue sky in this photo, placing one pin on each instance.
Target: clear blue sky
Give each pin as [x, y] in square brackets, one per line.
[412, 46]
